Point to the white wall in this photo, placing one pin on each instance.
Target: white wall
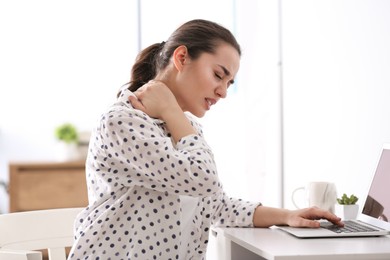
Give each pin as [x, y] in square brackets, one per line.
[60, 61]
[336, 64]
[257, 113]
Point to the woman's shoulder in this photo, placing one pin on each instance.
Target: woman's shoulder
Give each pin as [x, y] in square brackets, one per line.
[125, 112]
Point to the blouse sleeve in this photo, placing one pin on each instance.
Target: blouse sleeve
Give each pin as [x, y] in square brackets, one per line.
[131, 149]
[231, 212]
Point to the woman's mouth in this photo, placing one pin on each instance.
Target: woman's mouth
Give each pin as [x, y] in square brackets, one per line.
[209, 103]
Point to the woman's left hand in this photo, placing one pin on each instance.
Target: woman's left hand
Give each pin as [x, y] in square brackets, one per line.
[308, 217]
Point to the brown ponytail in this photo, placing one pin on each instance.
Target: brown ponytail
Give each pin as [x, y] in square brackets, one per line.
[144, 68]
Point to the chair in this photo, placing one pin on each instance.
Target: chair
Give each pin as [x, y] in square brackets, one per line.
[22, 232]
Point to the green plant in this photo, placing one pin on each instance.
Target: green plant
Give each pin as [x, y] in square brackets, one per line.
[67, 133]
[345, 200]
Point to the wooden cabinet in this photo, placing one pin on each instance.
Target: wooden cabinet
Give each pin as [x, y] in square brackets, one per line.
[34, 186]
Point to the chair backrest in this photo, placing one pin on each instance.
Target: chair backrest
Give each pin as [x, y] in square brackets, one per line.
[42, 229]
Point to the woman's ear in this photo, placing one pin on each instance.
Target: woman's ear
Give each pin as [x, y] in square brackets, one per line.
[179, 57]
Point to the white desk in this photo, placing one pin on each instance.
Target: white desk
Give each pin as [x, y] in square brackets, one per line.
[274, 244]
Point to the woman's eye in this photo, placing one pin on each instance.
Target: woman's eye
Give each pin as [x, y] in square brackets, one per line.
[216, 74]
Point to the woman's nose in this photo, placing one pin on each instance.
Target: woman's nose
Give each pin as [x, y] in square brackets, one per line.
[221, 91]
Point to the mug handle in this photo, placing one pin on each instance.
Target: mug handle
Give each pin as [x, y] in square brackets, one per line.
[293, 196]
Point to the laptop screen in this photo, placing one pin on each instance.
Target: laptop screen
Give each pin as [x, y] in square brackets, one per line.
[377, 203]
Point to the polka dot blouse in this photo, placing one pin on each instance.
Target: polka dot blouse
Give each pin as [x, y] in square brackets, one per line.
[136, 177]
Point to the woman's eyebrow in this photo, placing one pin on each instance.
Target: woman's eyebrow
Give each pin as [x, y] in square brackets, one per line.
[227, 72]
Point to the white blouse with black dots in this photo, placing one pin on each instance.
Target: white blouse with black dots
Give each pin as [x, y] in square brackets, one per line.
[136, 177]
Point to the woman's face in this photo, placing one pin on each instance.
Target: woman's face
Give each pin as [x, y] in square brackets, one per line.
[202, 82]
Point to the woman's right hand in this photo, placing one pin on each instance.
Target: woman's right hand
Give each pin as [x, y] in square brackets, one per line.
[155, 99]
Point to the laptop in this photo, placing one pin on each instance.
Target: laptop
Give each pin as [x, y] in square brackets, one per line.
[374, 217]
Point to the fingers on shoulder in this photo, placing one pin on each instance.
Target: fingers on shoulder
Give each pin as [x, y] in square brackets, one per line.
[135, 102]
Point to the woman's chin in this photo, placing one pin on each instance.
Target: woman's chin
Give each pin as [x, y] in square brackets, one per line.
[199, 114]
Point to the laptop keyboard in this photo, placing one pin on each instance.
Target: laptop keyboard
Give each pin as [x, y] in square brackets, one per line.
[349, 227]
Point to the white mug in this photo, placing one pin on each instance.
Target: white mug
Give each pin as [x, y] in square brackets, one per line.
[320, 194]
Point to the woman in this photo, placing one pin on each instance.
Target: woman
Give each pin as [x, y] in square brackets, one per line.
[152, 182]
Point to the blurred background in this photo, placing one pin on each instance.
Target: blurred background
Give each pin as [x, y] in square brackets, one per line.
[310, 102]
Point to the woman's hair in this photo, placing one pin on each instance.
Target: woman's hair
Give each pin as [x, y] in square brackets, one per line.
[198, 36]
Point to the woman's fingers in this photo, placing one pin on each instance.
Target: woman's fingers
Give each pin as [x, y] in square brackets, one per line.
[136, 103]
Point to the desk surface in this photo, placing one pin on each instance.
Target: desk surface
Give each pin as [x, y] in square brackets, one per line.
[274, 244]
